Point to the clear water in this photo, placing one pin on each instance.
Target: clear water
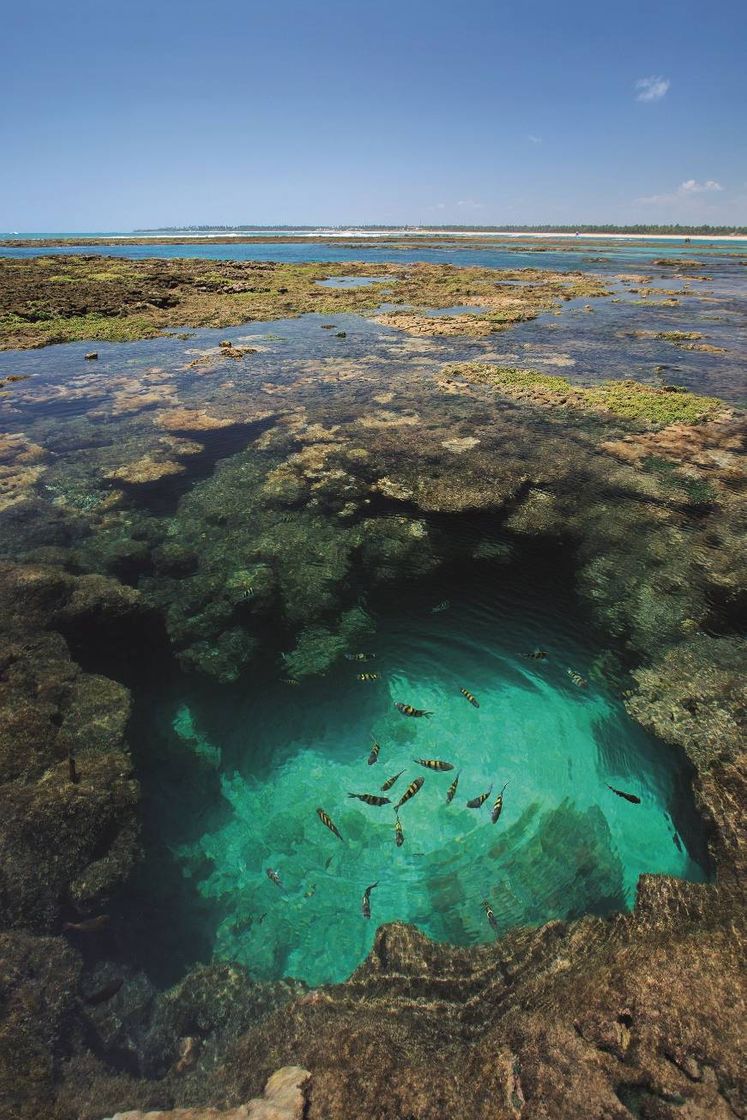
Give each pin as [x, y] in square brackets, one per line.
[237, 790]
[605, 258]
[564, 844]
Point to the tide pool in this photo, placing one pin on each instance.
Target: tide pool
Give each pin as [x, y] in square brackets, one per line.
[564, 844]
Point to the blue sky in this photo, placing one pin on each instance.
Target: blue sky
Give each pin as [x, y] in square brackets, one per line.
[115, 115]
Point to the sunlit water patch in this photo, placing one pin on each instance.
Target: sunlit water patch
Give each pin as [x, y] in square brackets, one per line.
[565, 844]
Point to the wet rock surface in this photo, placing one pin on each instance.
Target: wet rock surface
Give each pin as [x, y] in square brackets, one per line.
[268, 554]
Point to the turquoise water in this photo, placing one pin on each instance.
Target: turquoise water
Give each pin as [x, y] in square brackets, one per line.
[720, 258]
[563, 846]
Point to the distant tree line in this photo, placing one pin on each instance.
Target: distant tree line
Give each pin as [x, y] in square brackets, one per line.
[676, 229]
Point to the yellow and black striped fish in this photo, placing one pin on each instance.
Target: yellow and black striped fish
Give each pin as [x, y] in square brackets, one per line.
[433, 763]
[408, 710]
[476, 802]
[537, 654]
[390, 781]
[399, 836]
[360, 656]
[577, 679]
[367, 676]
[411, 790]
[366, 901]
[489, 914]
[374, 755]
[497, 806]
[328, 823]
[469, 697]
[371, 798]
[452, 790]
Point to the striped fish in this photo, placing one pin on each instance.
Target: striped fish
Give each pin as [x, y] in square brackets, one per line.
[368, 676]
[374, 755]
[390, 781]
[497, 806]
[433, 763]
[408, 710]
[577, 679]
[327, 821]
[476, 802]
[489, 914]
[366, 902]
[452, 790]
[371, 798]
[411, 790]
[399, 836]
[360, 656]
[470, 697]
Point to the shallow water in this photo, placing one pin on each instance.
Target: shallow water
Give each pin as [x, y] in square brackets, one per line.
[563, 845]
[720, 258]
[235, 789]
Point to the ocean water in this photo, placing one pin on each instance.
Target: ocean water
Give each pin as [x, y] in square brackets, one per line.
[564, 844]
[232, 774]
[720, 257]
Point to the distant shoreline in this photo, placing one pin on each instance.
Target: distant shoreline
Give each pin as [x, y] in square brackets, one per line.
[349, 234]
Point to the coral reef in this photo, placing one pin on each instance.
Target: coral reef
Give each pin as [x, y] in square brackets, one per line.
[336, 479]
[44, 300]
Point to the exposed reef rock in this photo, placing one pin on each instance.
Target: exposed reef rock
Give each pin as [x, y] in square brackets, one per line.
[283, 1099]
[45, 300]
[275, 534]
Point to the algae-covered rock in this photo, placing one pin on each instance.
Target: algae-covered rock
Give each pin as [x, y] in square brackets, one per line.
[696, 696]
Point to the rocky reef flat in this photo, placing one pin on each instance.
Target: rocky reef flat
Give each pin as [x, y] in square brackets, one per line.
[222, 505]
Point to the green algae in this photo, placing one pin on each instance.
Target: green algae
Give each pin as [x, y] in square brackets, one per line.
[67, 299]
[629, 400]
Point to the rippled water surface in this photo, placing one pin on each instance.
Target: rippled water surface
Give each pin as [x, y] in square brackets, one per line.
[234, 770]
[564, 844]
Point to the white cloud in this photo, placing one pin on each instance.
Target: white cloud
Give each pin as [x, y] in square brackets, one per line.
[651, 89]
[687, 189]
[690, 186]
[469, 204]
[534, 139]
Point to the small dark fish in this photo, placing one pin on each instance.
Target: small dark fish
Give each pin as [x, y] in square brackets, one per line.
[489, 914]
[390, 781]
[452, 790]
[291, 680]
[371, 798]
[408, 710]
[411, 790]
[469, 697]
[310, 891]
[261, 918]
[442, 606]
[72, 768]
[366, 903]
[537, 654]
[433, 763]
[360, 656]
[328, 822]
[368, 676]
[399, 836]
[476, 802]
[631, 797]
[677, 841]
[497, 806]
[273, 877]
[103, 995]
[88, 925]
[577, 679]
[374, 755]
